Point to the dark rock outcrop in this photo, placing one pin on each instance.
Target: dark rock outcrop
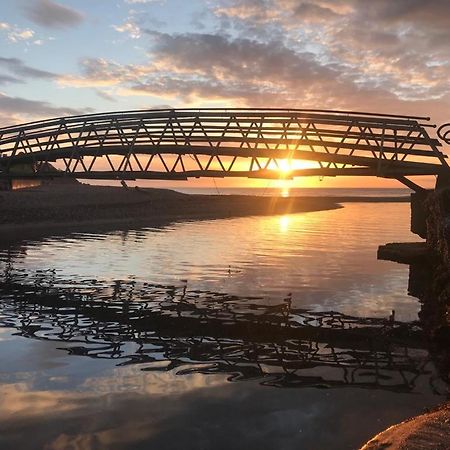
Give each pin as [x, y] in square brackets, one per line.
[435, 313]
[430, 270]
[437, 207]
[405, 252]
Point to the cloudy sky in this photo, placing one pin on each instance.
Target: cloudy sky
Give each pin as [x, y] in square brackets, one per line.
[61, 57]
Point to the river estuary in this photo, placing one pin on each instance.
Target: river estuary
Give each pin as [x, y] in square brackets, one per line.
[217, 334]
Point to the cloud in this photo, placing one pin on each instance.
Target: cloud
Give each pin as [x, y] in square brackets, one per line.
[32, 107]
[334, 54]
[137, 20]
[313, 12]
[129, 27]
[196, 67]
[251, 10]
[399, 46]
[18, 67]
[16, 34]
[276, 11]
[214, 66]
[192, 68]
[50, 14]
[6, 79]
[431, 13]
[134, 2]
[98, 72]
[105, 96]
[223, 58]
[17, 109]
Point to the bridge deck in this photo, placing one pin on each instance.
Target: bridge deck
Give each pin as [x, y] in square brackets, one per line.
[178, 144]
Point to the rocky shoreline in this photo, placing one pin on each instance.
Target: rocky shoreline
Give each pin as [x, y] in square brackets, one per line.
[429, 281]
[425, 432]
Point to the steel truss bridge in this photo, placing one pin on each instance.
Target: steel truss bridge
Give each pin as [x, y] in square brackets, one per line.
[254, 143]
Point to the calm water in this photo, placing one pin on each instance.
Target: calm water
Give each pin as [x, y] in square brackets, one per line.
[288, 191]
[223, 334]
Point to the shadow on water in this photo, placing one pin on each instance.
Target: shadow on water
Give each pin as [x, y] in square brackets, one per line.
[427, 282]
[173, 328]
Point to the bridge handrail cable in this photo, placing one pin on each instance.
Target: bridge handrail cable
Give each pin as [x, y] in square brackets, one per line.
[203, 112]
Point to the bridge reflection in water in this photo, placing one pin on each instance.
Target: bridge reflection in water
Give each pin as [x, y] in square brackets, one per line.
[169, 328]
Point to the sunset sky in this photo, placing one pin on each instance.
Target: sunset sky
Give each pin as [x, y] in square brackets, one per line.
[80, 56]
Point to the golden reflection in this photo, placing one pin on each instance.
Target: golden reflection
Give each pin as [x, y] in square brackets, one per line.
[285, 192]
[284, 222]
[18, 400]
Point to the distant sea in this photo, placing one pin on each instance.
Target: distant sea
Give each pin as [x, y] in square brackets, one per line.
[300, 192]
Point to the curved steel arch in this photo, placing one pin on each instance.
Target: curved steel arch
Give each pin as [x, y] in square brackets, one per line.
[255, 143]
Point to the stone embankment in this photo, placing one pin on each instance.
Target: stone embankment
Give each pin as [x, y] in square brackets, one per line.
[430, 281]
[436, 297]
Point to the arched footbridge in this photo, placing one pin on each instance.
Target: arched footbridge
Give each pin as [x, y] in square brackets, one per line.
[255, 143]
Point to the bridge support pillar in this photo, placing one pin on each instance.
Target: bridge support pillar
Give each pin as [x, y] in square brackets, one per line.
[419, 213]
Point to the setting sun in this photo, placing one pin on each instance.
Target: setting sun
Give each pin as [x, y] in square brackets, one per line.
[285, 166]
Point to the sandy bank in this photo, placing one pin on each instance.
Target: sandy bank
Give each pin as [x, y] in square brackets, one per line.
[425, 432]
[53, 209]
[57, 209]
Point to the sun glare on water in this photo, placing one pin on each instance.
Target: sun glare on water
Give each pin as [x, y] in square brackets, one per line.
[284, 223]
